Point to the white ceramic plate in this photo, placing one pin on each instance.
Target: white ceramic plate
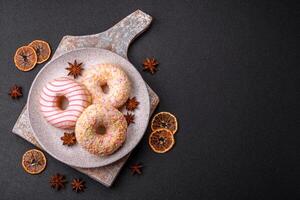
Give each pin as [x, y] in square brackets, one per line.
[49, 136]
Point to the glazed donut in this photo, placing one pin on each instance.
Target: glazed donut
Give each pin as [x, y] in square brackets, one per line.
[54, 93]
[116, 80]
[87, 129]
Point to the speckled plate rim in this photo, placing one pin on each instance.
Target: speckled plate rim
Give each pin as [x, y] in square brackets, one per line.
[102, 161]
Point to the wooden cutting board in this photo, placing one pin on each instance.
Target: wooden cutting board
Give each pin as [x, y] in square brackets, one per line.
[116, 39]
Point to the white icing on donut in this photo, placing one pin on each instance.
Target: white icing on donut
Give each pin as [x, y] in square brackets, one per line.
[107, 74]
[77, 96]
[101, 115]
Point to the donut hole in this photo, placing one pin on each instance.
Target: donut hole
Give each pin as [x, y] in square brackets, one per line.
[62, 102]
[105, 88]
[101, 130]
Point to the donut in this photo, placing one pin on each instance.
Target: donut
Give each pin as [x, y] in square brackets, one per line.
[101, 76]
[95, 117]
[61, 90]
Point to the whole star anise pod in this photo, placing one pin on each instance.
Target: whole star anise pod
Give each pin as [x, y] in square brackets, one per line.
[15, 92]
[132, 104]
[75, 69]
[78, 185]
[136, 168]
[150, 64]
[129, 118]
[69, 139]
[57, 181]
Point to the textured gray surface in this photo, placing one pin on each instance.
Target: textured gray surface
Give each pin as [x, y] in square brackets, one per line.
[115, 39]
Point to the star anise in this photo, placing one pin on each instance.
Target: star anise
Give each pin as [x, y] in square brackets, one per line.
[150, 64]
[57, 181]
[74, 69]
[132, 104]
[69, 139]
[78, 185]
[129, 118]
[15, 92]
[136, 168]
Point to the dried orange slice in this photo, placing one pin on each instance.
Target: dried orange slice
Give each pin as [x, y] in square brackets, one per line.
[161, 140]
[34, 161]
[42, 49]
[164, 120]
[25, 58]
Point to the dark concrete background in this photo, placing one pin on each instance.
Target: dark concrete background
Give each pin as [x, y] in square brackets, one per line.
[229, 71]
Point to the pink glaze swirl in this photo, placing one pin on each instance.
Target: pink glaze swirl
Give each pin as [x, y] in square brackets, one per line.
[77, 96]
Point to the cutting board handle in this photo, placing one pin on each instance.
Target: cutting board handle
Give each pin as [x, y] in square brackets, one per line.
[116, 39]
[124, 32]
